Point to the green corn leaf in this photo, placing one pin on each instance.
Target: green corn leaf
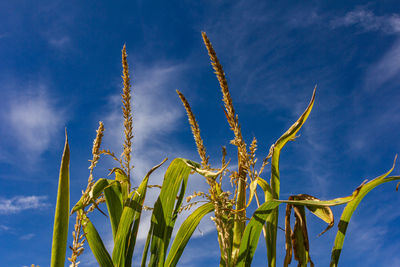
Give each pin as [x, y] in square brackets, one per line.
[113, 196]
[96, 244]
[272, 220]
[128, 226]
[122, 178]
[61, 218]
[349, 210]
[146, 246]
[252, 232]
[94, 193]
[166, 210]
[185, 232]
[320, 203]
[124, 231]
[265, 187]
[138, 213]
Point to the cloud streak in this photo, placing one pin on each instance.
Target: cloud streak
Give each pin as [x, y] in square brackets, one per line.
[368, 21]
[33, 120]
[386, 69]
[20, 203]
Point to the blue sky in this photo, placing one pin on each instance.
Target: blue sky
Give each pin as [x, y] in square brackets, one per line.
[60, 67]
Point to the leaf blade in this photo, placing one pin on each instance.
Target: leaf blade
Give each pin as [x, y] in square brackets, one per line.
[351, 207]
[96, 244]
[252, 233]
[165, 210]
[185, 232]
[272, 221]
[61, 217]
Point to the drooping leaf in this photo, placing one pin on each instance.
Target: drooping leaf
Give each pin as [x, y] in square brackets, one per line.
[185, 232]
[272, 220]
[300, 243]
[96, 244]
[319, 208]
[265, 187]
[61, 217]
[349, 210]
[253, 187]
[94, 193]
[288, 236]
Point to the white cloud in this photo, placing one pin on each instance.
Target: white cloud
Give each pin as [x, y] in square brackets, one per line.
[21, 203]
[27, 236]
[4, 228]
[368, 21]
[33, 120]
[60, 42]
[386, 69]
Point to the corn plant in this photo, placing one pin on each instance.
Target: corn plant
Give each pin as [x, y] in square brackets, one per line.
[238, 235]
[238, 239]
[125, 204]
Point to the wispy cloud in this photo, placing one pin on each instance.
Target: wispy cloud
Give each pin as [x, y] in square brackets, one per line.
[155, 114]
[27, 236]
[388, 67]
[32, 119]
[368, 21]
[60, 42]
[385, 70]
[21, 203]
[4, 228]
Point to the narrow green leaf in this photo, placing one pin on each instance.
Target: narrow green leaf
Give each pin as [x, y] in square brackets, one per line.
[146, 246]
[185, 232]
[61, 217]
[128, 226]
[94, 193]
[320, 203]
[113, 196]
[96, 244]
[136, 221]
[122, 178]
[166, 209]
[123, 232]
[349, 210]
[252, 232]
[272, 220]
[265, 187]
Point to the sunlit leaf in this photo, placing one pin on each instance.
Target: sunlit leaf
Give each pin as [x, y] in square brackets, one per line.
[252, 233]
[128, 226]
[185, 232]
[272, 220]
[96, 244]
[61, 217]
[349, 210]
[114, 202]
[166, 210]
